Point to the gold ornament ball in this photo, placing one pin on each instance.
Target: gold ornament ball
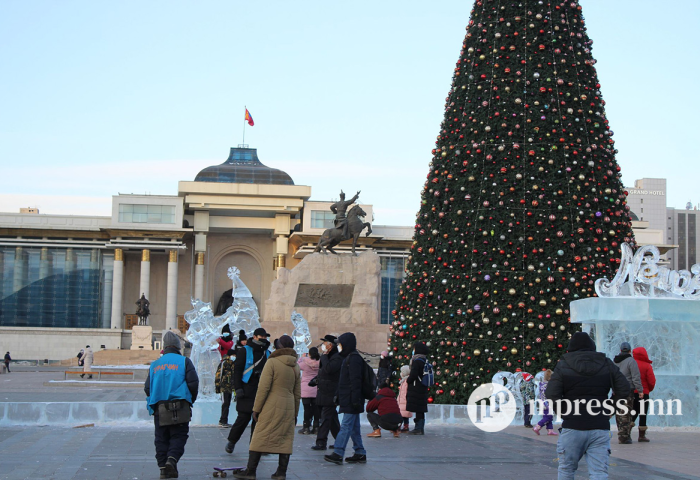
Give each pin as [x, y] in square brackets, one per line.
[543, 303]
[511, 291]
[559, 311]
[477, 352]
[530, 325]
[514, 351]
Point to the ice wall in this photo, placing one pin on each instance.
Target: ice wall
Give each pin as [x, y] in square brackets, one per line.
[669, 329]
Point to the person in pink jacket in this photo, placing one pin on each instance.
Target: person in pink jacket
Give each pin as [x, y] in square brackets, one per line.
[403, 390]
[646, 372]
[308, 364]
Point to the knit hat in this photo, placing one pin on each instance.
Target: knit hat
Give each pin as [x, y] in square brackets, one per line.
[385, 353]
[241, 336]
[580, 341]
[625, 347]
[405, 371]
[170, 340]
[527, 376]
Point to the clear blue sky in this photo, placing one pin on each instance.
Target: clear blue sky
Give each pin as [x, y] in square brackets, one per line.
[98, 98]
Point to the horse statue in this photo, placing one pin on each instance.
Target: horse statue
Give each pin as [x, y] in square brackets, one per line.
[333, 236]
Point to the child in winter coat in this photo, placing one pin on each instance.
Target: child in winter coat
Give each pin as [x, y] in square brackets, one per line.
[648, 383]
[309, 370]
[527, 392]
[546, 417]
[403, 390]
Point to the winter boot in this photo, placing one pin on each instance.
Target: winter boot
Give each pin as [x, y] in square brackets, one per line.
[281, 473]
[229, 447]
[248, 473]
[375, 434]
[162, 473]
[405, 427]
[334, 458]
[304, 431]
[171, 468]
[319, 446]
[624, 440]
[396, 434]
[418, 429]
[643, 434]
[357, 458]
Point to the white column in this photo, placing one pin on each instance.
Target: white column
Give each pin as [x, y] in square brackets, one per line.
[44, 264]
[145, 274]
[199, 276]
[117, 285]
[171, 293]
[70, 261]
[19, 270]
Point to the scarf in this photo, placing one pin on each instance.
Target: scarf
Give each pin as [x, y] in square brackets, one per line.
[417, 357]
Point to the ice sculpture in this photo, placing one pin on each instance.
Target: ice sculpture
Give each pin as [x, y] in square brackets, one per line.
[654, 307]
[640, 275]
[205, 329]
[301, 334]
[512, 382]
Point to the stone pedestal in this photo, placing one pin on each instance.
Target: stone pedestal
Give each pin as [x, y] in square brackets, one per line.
[335, 293]
[141, 337]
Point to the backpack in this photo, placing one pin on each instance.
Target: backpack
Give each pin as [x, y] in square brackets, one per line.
[369, 380]
[428, 379]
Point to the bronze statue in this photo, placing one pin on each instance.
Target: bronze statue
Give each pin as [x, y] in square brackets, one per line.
[353, 225]
[339, 209]
[225, 301]
[143, 311]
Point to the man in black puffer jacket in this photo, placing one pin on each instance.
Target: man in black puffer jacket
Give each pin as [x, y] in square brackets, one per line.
[351, 402]
[327, 381]
[585, 376]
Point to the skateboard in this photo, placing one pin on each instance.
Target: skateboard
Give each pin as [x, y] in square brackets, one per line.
[221, 472]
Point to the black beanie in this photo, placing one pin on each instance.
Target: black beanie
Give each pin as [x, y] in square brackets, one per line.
[581, 342]
[226, 329]
[241, 336]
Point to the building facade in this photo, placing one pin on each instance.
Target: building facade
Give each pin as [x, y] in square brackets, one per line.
[80, 276]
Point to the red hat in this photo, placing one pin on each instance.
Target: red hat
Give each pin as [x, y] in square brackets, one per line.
[527, 377]
[518, 369]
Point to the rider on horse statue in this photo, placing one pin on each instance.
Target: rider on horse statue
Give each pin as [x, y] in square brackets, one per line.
[339, 208]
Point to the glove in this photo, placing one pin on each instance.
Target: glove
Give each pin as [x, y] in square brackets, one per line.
[240, 393]
[313, 382]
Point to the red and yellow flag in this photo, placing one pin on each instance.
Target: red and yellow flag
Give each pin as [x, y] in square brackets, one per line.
[249, 118]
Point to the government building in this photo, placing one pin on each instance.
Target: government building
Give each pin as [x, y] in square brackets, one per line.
[68, 281]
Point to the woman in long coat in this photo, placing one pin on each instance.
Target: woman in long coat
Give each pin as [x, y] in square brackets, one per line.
[87, 359]
[275, 410]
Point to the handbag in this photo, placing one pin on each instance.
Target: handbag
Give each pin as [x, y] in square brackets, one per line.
[174, 412]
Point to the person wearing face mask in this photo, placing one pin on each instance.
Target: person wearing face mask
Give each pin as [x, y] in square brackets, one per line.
[249, 364]
[225, 341]
[327, 381]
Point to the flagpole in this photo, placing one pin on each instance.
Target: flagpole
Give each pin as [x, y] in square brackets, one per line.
[244, 122]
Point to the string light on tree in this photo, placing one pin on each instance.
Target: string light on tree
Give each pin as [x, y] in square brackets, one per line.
[523, 207]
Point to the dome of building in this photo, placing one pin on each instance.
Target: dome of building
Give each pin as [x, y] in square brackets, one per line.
[243, 166]
[633, 216]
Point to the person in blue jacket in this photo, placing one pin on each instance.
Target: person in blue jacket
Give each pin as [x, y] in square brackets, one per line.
[171, 377]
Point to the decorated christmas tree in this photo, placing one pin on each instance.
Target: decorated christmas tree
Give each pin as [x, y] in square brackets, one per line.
[523, 207]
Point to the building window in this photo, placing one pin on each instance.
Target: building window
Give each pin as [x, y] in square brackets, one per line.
[322, 219]
[146, 213]
[392, 274]
[682, 241]
[55, 287]
[692, 240]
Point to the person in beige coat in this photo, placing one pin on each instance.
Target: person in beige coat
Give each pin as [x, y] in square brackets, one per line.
[87, 359]
[275, 410]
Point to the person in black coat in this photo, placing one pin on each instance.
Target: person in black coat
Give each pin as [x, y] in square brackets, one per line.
[351, 402]
[417, 393]
[586, 376]
[246, 391]
[327, 383]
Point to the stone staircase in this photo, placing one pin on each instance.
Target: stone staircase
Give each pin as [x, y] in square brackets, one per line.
[118, 357]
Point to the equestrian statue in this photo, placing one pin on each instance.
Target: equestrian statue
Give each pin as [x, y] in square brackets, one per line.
[346, 227]
[143, 311]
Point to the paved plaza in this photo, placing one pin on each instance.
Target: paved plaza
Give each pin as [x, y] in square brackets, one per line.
[462, 452]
